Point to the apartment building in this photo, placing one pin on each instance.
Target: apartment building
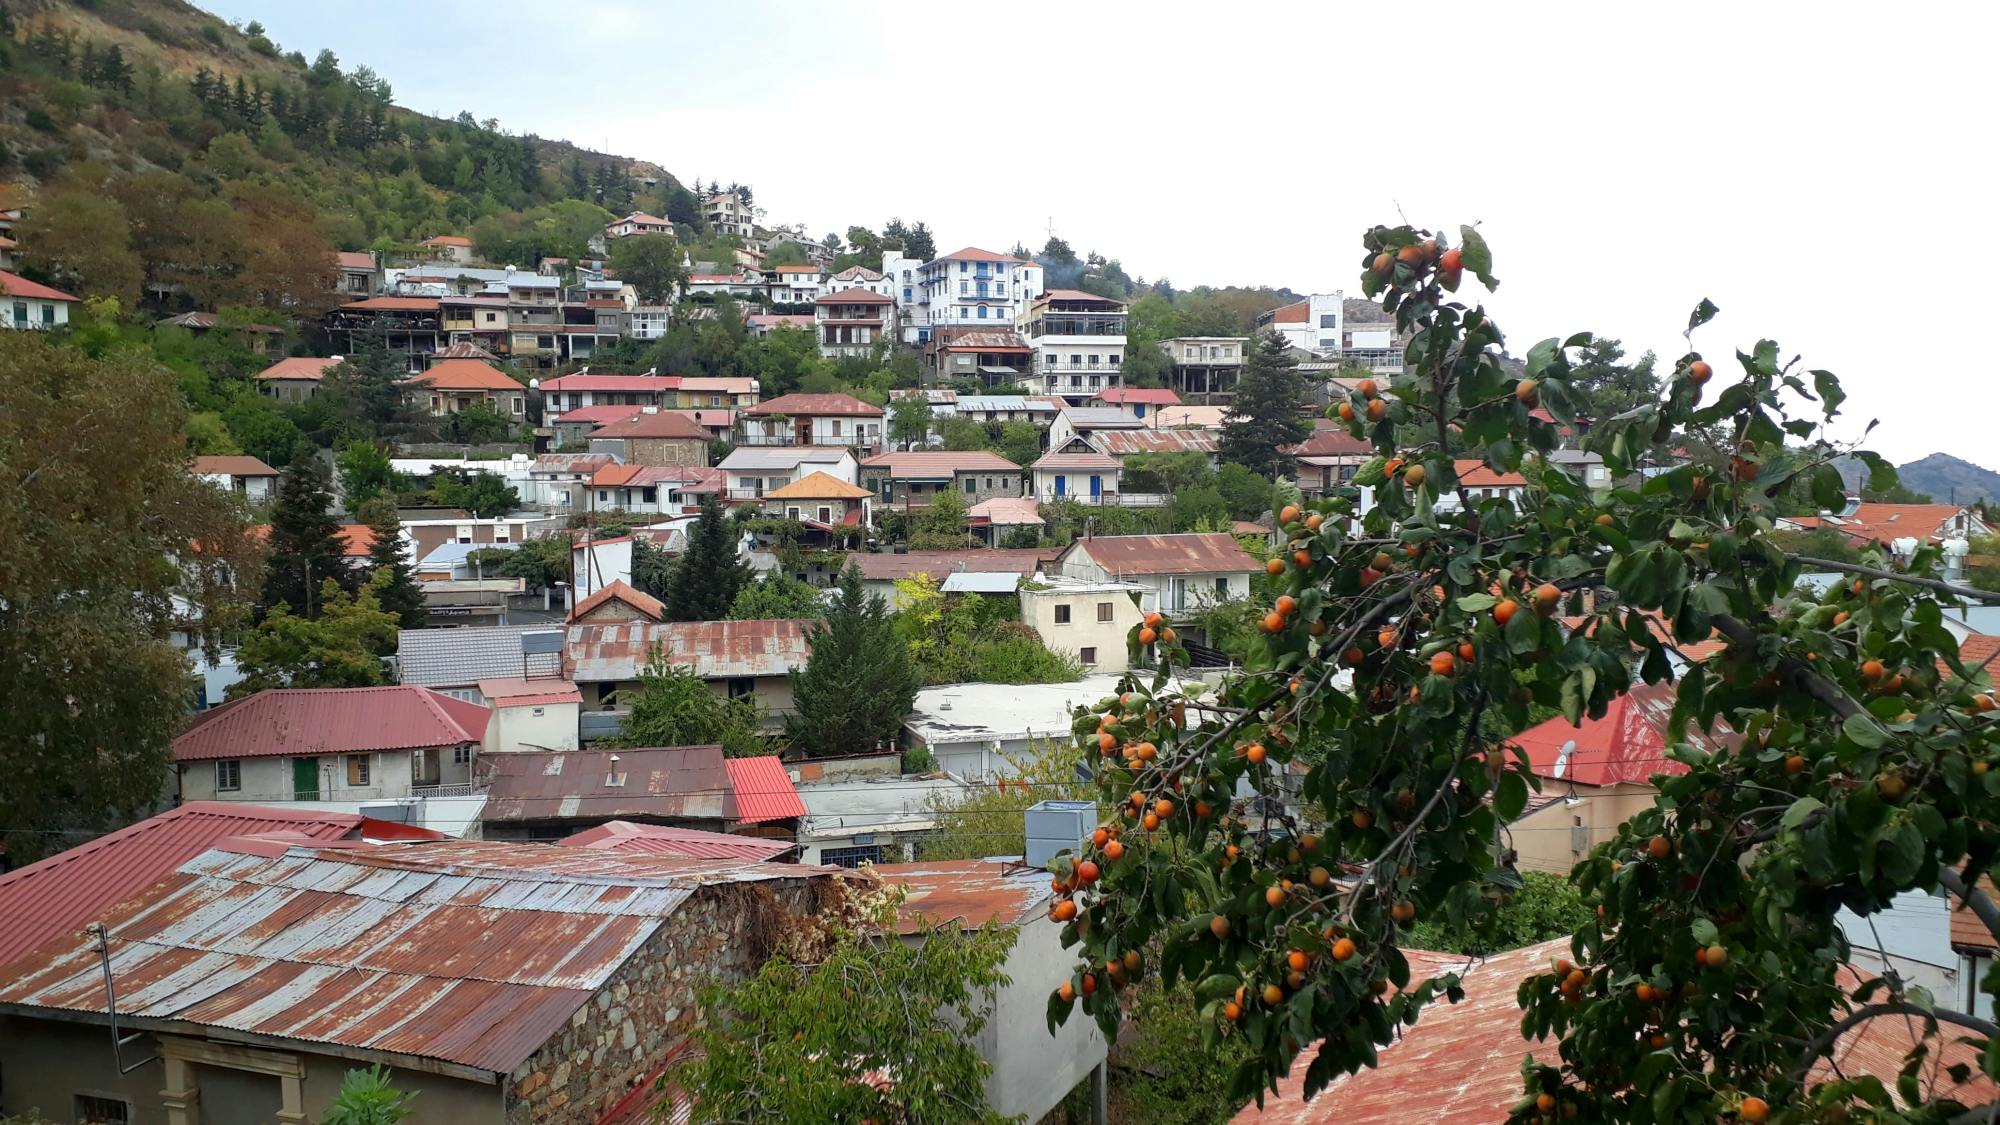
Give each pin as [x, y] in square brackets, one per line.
[969, 286]
[727, 213]
[1078, 343]
[850, 323]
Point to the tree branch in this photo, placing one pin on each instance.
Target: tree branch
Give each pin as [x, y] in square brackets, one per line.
[1969, 593]
[1826, 1039]
[1974, 899]
[1821, 688]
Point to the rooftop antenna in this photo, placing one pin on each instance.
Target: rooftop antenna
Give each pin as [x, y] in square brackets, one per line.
[118, 1042]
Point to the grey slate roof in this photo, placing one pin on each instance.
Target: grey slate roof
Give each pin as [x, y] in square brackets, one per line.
[779, 456]
[442, 658]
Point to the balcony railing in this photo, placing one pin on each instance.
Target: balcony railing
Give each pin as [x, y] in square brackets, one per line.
[447, 790]
[1112, 499]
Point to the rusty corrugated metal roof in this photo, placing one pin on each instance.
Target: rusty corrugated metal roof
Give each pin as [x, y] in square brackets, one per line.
[468, 952]
[1121, 443]
[608, 653]
[663, 839]
[971, 892]
[941, 564]
[1192, 553]
[665, 783]
[64, 892]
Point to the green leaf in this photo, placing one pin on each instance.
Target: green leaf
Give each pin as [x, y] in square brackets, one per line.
[1704, 932]
[1475, 603]
[1799, 811]
[1477, 257]
[1541, 355]
[1511, 796]
[1524, 631]
[1863, 731]
[1702, 314]
[1830, 394]
[1828, 490]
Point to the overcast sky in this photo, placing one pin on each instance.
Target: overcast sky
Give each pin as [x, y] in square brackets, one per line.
[1814, 170]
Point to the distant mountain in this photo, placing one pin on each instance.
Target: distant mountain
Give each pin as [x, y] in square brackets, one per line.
[1942, 477]
[1949, 480]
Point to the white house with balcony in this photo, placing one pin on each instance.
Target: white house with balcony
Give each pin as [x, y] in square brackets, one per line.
[1205, 367]
[248, 476]
[638, 222]
[796, 284]
[749, 474]
[1176, 573]
[811, 419]
[849, 323]
[1078, 340]
[968, 287]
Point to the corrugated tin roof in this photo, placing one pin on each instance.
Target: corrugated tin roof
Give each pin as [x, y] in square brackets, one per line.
[513, 691]
[599, 653]
[1007, 511]
[657, 424]
[940, 464]
[1629, 744]
[1093, 460]
[662, 839]
[595, 414]
[971, 892]
[311, 721]
[972, 582]
[585, 463]
[779, 457]
[763, 790]
[667, 783]
[1206, 553]
[300, 367]
[1330, 440]
[940, 564]
[1100, 418]
[468, 952]
[1123, 443]
[64, 892]
[1152, 396]
[463, 657]
[808, 405]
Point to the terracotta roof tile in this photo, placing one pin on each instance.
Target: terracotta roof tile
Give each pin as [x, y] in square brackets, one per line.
[468, 375]
[14, 285]
[616, 590]
[659, 424]
[235, 465]
[796, 405]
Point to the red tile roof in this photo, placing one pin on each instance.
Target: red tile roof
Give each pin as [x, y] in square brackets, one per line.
[796, 269]
[1151, 396]
[394, 304]
[1884, 523]
[355, 259]
[623, 384]
[467, 375]
[1627, 745]
[1332, 441]
[313, 721]
[1475, 474]
[306, 367]
[1077, 295]
[797, 405]
[932, 464]
[1968, 933]
[1295, 313]
[596, 414]
[235, 465]
[648, 606]
[1208, 553]
[356, 539]
[974, 254]
[14, 285]
[763, 790]
[446, 240]
[1090, 459]
[518, 691]
[854, 297]
[659, 424]
[691, 843]
[818, 486]
[62, 893]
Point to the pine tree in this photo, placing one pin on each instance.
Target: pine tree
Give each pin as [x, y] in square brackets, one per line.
[1268, 412]
[704, 582]
[579, 181]
[858, 685]
[305, 541]
[399, 593]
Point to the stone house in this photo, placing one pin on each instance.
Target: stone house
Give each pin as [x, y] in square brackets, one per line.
[524, 984]
[617, 601]
[295, 378]
[452, 385]
[661, 438]
[913, 480]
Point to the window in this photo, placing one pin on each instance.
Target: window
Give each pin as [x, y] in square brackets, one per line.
[100, 1111]
[1094, 357]
[982, 312]
[520, 406]
[228, 775]
[1114, 359]
[964, 287]
[357, 769]
[1076, 359]
[1329, 320]
[906, 293]
[825, 514]
[1062, 614]
[1105, 611]
[845, 857]
[791, 513]
[1086, 656]
[21, 313]
[1222, 587]
[462, 756]
[48, 318]
[972, 484]
[603, 496]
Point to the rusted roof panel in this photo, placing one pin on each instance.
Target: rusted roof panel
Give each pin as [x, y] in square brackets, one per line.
[603, 652]
[1207, 553]
[1121, 443]
[468, 952]
[940, 564]
[971, 892]
[661, 839]
[677, 783]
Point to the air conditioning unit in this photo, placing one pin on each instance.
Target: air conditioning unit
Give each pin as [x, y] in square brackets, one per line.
[1057, 826]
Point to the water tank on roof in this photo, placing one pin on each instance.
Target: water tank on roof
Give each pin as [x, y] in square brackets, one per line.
[1056, 826]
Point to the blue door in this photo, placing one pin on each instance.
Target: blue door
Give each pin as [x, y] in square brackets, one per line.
[1140, 408]
[1062, 485]
[1096, 486]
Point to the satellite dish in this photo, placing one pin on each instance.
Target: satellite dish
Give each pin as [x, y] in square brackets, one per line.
[1562, 757]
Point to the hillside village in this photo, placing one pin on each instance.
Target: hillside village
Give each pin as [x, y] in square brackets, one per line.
[506, 617]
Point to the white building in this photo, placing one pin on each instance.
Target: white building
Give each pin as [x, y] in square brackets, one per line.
[1078, 340]
[812, 419]
[749, 472]
[1315, 324]
[796, 285]
[31, 304]
[531, 714]
[1178, 572]
[248, 476]
[728, 214]
[982, 731]
[638, 222]
[970, 286]
[1082, 618]
[903, 281]
[861, 277]
[649, 322]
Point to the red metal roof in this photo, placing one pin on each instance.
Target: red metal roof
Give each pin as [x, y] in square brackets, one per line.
[616, 590]
[971, 892]
[1210, 553]
[854, 297]
[14, 285]
[623, 384]
[661, 839]
[1331, 439]
[662, 782]
[763, 790]
[520, 691]
[596, 414]
[467, 375]
[609, 653]
[659, 424]
[465, 952]
[1627, 745]
[312, 721]
[974, 254]
[1152, 396]
[355, 259]
[313, 368]
[61, 894]
[796, 405]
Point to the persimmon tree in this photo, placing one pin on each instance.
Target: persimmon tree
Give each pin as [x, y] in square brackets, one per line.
[1410, 627]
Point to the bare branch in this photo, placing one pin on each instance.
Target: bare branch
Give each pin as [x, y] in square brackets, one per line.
[1826, 1039]
[1969, 593]
[1974, 899]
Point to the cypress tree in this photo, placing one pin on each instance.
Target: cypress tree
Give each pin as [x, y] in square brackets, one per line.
[857, 687]
[305, 541]
[1268, 411]
[399, 594]
[704, 582]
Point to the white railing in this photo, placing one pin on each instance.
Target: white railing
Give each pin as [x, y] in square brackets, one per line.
[467, 790]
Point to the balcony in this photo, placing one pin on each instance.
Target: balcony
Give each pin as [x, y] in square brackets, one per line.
[446, 791]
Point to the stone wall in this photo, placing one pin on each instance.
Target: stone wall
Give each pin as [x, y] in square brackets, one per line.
[619, 1037]
[667, 452]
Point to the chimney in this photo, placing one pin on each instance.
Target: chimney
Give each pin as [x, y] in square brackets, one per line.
[649, 410]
